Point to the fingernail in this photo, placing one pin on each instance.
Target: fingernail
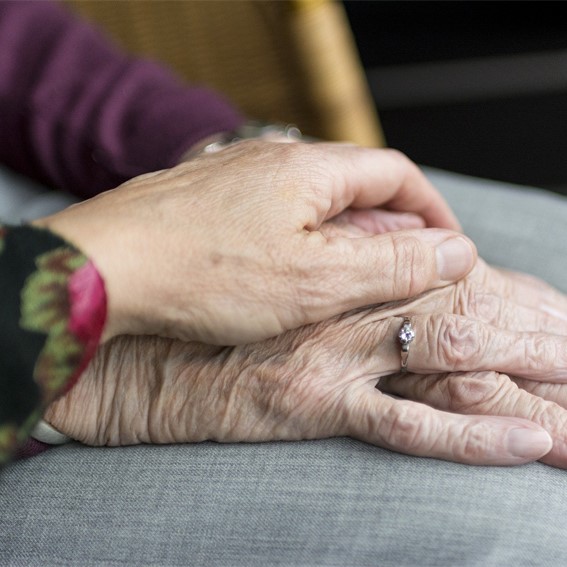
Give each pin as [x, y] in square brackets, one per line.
[529, 443]
[455, 258]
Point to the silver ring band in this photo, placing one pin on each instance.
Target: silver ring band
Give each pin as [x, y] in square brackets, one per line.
[406, 335]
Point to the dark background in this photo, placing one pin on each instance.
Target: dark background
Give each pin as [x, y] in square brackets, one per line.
[473, 87]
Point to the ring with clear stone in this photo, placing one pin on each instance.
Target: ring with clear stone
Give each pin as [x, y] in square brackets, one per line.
[406, 335]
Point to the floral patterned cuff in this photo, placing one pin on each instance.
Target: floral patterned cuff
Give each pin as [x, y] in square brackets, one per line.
[52, 314]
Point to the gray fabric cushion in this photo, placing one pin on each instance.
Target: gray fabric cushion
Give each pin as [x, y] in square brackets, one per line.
[335, 502]
[332, 502]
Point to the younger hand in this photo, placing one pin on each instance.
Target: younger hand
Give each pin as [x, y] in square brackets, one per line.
[226, 248]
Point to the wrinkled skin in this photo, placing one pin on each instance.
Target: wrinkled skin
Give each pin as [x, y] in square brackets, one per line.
[320, 380]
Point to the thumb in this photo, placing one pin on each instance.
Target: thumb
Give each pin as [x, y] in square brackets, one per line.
[381, 268]
[416, 429]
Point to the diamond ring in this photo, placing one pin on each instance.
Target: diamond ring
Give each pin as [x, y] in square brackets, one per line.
[406, 335]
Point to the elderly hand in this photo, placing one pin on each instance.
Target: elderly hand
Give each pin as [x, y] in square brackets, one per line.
[320, 380]
[531, 305]
[226, 248]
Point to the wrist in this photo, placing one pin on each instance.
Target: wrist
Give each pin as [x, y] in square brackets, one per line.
[93, 289]
[200, 146]
[250, 130]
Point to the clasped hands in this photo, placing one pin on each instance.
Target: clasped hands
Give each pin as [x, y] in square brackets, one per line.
[277, 287]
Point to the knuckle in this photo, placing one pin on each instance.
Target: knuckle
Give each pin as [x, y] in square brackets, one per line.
[301, 166]
[398, 155]
[550, 415]
[474, 303]
[538, 354]
[460, 341]
[477, 391]
[403, 426]
[409, 275]
[474, 443]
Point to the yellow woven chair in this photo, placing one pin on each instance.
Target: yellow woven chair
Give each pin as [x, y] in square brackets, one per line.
[279, 61]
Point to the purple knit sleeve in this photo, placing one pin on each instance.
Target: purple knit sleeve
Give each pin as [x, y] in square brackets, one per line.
[79, 114]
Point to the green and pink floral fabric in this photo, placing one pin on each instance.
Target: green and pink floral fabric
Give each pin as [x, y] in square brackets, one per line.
[53, 310]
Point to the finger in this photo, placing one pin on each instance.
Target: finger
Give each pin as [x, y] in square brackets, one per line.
[330, 229]
[485, 393]
[526, 290]
[369, 177]
[417, 429]
[556, 393]
[336, 274]
[378, 221]
[491, 297]
[495, 310]
[451, 343]
[505, 300]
